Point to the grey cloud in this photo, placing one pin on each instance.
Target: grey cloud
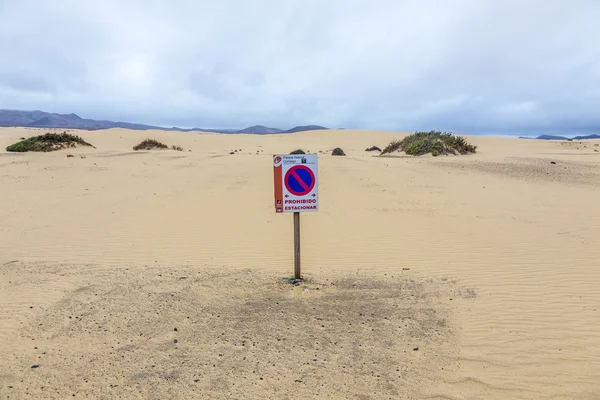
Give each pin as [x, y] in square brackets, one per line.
[468, 66]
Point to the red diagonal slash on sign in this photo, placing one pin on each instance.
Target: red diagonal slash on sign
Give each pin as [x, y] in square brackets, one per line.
[300, 181]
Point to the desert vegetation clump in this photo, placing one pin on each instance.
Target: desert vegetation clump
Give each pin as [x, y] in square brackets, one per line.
[433, 142]
[48, 142]
[150, 144]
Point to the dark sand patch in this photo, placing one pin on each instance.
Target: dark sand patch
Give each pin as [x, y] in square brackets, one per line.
[184, 332]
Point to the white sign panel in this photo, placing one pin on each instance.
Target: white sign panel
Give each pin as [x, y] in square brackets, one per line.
[296, 183]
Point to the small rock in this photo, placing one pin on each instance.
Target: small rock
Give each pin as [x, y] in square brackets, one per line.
[552, 162]
[373, 148]
[416, 349]
[35, 366]
[298, 381]
[175, 329]
[175, 341]
[70, 155]
[338, 152]
[196, 380]
[232, 152]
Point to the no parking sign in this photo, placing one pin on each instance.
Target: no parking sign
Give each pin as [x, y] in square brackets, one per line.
[296, 188]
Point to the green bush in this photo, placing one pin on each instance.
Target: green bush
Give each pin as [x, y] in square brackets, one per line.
[48, 142]
[434, 142]
[150, 144]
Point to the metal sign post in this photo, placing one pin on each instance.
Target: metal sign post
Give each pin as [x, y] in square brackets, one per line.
[297, 273]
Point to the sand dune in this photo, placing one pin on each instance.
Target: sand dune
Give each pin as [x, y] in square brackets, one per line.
[488, 264]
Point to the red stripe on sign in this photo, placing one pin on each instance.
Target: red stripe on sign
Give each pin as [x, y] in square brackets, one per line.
[300, 181]
[278, 181]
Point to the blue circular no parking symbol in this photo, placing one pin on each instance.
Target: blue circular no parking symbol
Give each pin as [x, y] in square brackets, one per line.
[299, 180]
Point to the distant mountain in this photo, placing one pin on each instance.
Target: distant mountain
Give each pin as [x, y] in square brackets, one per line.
[41, 119]
[259, 129]
[587, 137]
[551, 137]
[305, 128]
[20, 118]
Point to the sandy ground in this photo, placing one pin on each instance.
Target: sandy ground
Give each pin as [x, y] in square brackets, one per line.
[161, 274]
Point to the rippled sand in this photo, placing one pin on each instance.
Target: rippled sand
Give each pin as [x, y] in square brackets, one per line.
[487, 264]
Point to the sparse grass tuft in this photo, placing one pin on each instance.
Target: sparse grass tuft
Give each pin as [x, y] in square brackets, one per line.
[434, 142]
[373, 148]
[178, 148]
[299, 151]
[393, 146]
[150, 144]
[48, 142]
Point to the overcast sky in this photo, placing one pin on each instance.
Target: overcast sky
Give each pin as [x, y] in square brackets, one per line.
[470, 66]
